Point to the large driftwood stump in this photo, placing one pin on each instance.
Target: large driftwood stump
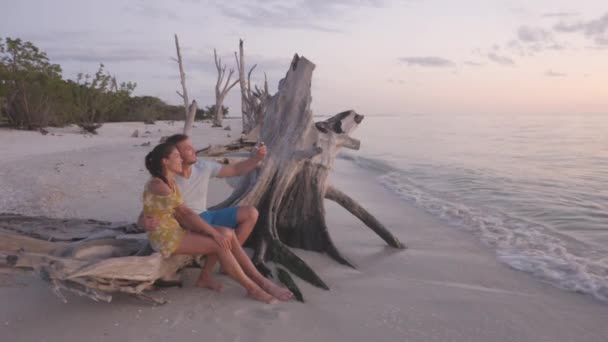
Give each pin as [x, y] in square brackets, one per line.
[290, 186]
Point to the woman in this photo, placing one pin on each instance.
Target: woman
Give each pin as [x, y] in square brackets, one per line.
[161, 197]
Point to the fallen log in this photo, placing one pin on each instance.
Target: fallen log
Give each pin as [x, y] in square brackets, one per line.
[87, 257]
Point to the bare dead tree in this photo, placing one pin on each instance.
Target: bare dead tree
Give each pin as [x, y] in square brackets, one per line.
[240, 63]
[253, 103]
[189, 114]
[190, 119]
[222, 87]
[259, 103]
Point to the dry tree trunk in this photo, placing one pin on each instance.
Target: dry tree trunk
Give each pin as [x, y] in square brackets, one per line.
[290, 186]
[190, 118]
[260, 102]
[87, 257]
[221, 91]
[253, 103]
[189, 110]
[245, 111]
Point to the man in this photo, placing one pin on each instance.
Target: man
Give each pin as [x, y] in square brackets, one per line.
[193, 183]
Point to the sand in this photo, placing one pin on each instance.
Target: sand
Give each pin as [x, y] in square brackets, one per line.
[447, 286]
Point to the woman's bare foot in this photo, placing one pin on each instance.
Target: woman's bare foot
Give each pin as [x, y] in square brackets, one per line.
[278, 292]
[262, 296]
[209, 283]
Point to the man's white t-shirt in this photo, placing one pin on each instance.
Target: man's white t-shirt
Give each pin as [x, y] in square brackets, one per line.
[194, 189]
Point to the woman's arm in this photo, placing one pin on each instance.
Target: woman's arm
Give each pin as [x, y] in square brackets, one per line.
[189, 219]
[147, 222]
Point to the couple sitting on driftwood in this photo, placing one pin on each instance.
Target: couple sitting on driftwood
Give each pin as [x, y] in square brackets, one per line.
[177, 222]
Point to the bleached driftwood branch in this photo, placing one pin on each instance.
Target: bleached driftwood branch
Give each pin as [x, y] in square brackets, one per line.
[221, 89]
[189, 109]
[253, 102]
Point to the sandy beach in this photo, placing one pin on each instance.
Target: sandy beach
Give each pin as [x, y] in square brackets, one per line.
[447, 286]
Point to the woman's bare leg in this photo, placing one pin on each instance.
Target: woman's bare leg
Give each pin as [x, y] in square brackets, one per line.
[205, 280]
[246, 218]
[278, 292]
[197, 244]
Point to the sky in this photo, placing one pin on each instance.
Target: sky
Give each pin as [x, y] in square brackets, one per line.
[378, 57]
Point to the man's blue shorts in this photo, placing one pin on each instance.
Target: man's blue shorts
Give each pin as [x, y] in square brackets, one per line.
[224, 217]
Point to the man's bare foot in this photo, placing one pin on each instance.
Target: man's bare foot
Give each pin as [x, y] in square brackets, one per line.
[262, 296]
[209, 283]
[278, 292]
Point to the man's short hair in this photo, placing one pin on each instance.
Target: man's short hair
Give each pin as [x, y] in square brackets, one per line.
[176, 139]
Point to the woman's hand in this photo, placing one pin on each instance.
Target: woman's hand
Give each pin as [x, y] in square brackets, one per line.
[151, 222]
[223, 240]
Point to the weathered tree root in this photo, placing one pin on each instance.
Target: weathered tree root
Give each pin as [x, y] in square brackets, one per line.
[358, 211]
[286, 279]
[280, 254]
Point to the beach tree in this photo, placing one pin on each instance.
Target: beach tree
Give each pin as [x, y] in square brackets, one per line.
[209, 112]
[98, 95]
[28, 81]
[145, 108]
[253, 101]
[222, 87]
[189, 108]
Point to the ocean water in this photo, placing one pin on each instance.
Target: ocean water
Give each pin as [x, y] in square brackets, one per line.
[532, 187]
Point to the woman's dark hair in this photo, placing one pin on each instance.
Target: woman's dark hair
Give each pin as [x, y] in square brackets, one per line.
[154, 160]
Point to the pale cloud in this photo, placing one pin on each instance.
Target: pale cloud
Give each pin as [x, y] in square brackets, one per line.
[294, 14]
[500, 59]
[531, 40]
[596, 30]
[533, 34]
[427, 61]
[518, 48]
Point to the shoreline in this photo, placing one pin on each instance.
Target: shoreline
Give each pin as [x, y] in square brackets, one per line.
[447, 286]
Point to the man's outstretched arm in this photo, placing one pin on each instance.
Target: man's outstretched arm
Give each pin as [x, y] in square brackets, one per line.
[243, 167]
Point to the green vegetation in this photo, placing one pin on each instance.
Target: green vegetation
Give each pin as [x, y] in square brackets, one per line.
[33, 94]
